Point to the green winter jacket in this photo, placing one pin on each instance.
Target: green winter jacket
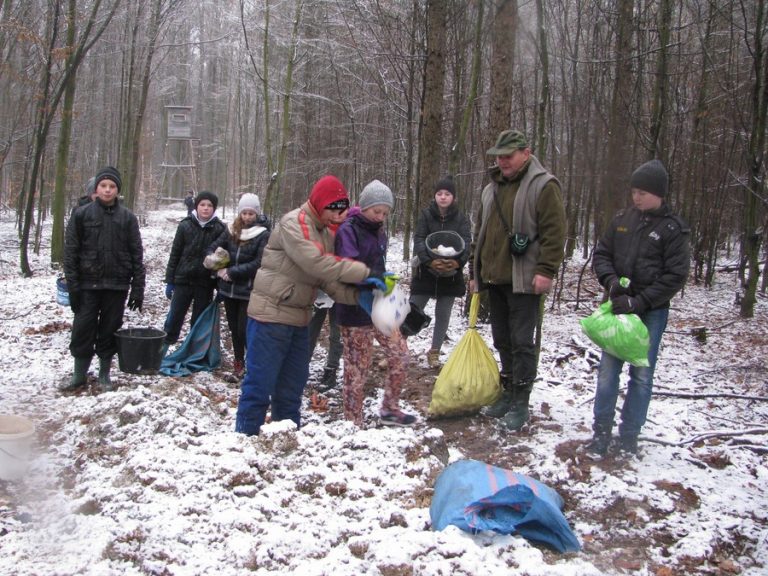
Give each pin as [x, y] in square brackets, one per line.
[532, 204]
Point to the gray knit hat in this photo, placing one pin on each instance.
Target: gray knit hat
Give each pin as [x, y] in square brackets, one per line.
[249, 201]
[651, 177]
[375, 192]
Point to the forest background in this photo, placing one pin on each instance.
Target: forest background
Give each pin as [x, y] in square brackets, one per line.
[275, 93]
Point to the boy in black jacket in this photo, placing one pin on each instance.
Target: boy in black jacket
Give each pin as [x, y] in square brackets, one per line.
[648, 244]
[187, 281]
[103, 258]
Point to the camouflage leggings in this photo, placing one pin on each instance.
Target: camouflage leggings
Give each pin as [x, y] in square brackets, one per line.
[358, 348]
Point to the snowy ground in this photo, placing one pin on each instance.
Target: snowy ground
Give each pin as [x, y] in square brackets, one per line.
[151, 479]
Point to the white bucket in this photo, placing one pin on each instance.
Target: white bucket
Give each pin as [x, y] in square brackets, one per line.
[16, 437]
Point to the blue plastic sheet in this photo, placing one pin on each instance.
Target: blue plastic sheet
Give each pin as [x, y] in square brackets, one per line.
[476, 496]
[201, 349]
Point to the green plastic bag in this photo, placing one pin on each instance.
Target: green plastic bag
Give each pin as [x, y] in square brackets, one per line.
[621, 335]
[470, 378]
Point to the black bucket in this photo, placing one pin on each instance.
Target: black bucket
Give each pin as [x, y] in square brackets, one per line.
[139, 350]
[415, 321]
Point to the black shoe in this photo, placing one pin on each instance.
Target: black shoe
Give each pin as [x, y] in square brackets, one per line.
[628, 444]
[599, 444]
[328, 380]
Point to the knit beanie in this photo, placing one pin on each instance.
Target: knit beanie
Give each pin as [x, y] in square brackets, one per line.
[90, 186]
[205, 195]
[446, 183]
[247, 201]
[651, 177]
[328, 192]
[375, 192]
[108, 173]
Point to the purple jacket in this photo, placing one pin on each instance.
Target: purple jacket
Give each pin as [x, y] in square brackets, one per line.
[360, 239]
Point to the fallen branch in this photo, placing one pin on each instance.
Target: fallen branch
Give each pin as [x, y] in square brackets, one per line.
[695, 396]
[706, 436]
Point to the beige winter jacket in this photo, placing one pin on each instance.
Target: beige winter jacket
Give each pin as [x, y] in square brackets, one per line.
[297, 260]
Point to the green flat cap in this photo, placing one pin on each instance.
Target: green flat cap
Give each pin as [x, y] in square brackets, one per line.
[507, 142]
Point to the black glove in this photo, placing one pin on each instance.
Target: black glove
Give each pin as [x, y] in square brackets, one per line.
[135, 303]
[75, 300]
[627, 305]
[616, 289]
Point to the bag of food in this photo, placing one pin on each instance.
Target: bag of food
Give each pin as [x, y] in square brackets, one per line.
[470, 378]
[621, 335]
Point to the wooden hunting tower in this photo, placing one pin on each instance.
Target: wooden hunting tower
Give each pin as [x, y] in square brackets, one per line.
[179, 166]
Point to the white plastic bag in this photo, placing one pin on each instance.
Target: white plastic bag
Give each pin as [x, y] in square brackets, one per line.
[389, 310]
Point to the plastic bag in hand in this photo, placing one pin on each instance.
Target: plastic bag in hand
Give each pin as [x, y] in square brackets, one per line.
[621, 335]
[389, 310]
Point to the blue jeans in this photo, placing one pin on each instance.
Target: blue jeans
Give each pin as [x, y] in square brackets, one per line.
[640, 388]
[277, 368]
[184, 296]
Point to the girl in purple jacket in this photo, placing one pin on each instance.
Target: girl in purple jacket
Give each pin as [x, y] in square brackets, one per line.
[362, 237]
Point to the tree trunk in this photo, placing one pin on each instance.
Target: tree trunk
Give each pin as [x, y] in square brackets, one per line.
[502, 68]
[430, 144]
[755, 154]
[541, 116]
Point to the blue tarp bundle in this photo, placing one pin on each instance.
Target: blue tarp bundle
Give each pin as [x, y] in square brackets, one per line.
[201, 349]
[476, 496]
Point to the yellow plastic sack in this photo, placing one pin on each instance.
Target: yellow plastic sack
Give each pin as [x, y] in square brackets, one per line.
[470, 378]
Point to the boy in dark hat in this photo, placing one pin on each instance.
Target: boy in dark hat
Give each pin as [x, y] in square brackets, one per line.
[187, 281]
[103, 259]
[648, 244]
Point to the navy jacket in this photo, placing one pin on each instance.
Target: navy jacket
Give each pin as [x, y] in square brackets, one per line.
[244, 260]
[185, 264]
[651, 249]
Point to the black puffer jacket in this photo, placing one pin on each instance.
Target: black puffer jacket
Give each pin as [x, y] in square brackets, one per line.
[185, 264]
[244, 259]
[103, 250]
[430, 220]
[650, 248]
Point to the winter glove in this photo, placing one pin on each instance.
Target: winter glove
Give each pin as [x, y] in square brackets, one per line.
[616, 289]
[75, 300]
[169, 288]
[375, 282]
[365, 300]
[390, 280]
[135, 303]
[627, 305]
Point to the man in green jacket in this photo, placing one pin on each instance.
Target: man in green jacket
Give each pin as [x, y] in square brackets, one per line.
[517, 250]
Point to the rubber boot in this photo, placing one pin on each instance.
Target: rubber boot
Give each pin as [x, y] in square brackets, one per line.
[328, 380]
[105, 365]
[79, 376]
[600, 441]
[499, 408]
[518, 413]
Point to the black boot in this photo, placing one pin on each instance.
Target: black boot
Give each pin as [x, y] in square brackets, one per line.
[628, 444]
[518, 411]
[328, 380]
[79, 376]
[105, 366]
[499, 408]
[600, 441]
